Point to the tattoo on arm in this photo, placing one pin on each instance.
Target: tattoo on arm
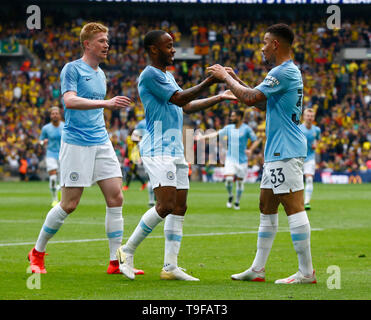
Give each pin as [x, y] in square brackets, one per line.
[249, 96]
[243, 83]
[244, 93]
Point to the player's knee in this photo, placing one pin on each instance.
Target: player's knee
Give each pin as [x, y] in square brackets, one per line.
[120, 198]
[267, 208]
[69, 206]
[292, 208]
[163, 209]
[240, 184]
[180, 210]
[116, 200]
[229, 178]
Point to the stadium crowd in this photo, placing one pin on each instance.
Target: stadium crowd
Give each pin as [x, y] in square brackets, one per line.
[339, 92]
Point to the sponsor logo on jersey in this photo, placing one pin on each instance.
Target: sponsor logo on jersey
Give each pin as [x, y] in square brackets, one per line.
[271, 81]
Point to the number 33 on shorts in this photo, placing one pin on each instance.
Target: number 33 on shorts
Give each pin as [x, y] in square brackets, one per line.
[277, 177]
[283, 176]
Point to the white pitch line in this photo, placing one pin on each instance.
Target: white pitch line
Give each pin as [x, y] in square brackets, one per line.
[156, 237]
[25, 221]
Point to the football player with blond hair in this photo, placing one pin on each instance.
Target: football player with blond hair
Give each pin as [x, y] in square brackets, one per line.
[86, 154]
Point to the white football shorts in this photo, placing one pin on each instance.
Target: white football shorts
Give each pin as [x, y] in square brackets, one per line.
[283, 175]
[236, 169]
[166, 171]
[81, 166]
[52, 164]
[310, 167]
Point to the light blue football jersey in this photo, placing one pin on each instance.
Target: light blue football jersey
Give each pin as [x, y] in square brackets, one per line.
[164, 120]
[237, 141]
[84, 127]
[312, 135]
[283, 88]
[53, 134]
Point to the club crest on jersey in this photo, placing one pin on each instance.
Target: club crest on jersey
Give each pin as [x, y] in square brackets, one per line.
[271, 81]
[170, 175]
[74, 176]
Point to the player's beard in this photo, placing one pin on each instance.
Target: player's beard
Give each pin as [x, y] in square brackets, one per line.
[263, 58]
[268, 63]
[165, 59]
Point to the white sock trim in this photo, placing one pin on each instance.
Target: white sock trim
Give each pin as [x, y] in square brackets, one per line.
[145, 226]
[114, 222]
[62, 214]
[229, 178]
[151, 218]
[53, 222]
[173, 222]
[114, 210]
[298, 219]
[173, 230]
[268, 220]
[309, 179]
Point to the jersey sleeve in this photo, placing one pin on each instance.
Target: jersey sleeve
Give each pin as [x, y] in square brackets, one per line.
[159, 85]
[252, 134]
[274, 83]
[69, 78]
[318, 133]
[43, 134]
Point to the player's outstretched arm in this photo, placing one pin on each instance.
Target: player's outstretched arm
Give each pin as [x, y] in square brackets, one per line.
[206, 136]
[253, 147]
[202, 104]
[247, 95]
[181, 98]
[260, 105]
[235, 77]
[72, 101]
[43, 142]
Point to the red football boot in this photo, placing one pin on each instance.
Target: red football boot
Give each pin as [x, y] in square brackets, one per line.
[113, 268]
[36, 259]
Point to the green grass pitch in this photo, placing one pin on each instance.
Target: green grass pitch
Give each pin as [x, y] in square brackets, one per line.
[217, 242]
